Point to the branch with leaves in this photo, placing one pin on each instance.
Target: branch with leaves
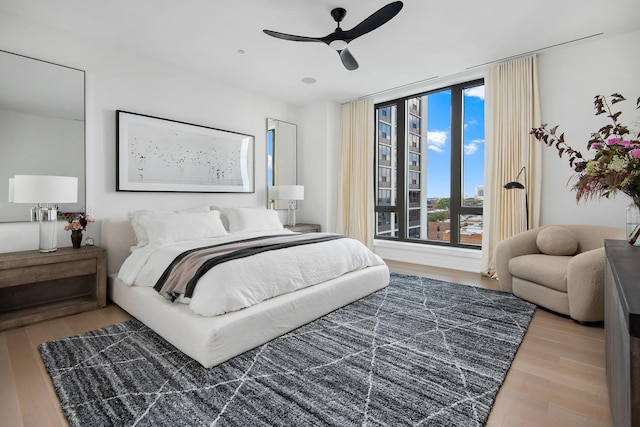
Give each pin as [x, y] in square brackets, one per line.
[616, 162]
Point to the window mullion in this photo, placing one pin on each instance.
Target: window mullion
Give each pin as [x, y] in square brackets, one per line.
[402, 170]
[456, 163]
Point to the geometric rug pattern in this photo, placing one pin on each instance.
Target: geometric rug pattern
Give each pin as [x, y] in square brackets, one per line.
[418, 352]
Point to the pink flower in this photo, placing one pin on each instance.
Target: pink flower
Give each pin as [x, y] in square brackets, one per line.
[613, 141]
[597, 145]
[635, 153]
[76, 221]
[624, 144]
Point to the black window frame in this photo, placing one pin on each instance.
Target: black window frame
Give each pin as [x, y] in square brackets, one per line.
[401, 209]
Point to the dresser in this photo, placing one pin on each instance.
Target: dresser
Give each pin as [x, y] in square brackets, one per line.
[36, 286]
[622, 331]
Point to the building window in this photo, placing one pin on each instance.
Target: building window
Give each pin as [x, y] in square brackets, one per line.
[430, 166]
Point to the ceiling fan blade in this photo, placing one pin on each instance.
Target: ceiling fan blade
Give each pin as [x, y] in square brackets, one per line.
[375, 20]
[348, 60]
[291, 37]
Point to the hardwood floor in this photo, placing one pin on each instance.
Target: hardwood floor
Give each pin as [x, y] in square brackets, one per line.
[557, 377]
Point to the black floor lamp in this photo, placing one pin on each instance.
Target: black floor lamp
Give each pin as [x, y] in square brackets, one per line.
[515, 184]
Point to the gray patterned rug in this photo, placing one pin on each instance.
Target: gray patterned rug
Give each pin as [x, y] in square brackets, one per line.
[419, 352]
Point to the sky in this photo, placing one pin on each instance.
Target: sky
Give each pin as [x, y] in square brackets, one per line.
[439, 142]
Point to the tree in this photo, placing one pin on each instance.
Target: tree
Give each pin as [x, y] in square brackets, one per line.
[436, 216]
[443, 203]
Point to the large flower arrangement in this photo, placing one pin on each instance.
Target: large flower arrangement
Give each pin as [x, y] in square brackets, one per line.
[615, 165]
[75, 220]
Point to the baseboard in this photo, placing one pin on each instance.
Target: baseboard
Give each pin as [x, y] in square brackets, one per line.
[462, 259]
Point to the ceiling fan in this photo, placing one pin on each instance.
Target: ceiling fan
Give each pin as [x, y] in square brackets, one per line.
[340, 38]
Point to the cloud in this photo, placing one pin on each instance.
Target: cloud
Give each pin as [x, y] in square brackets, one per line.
[473, 146]
[477, 91]
[436, 140]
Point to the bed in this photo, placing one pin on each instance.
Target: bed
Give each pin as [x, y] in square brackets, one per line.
[211, 337]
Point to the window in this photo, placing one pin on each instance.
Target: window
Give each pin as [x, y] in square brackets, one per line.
[430, 166]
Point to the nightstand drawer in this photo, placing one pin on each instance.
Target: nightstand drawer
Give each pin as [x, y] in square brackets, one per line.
[41, 273]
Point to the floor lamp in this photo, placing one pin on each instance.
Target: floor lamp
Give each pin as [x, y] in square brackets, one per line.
[517, 185]
[44, 192]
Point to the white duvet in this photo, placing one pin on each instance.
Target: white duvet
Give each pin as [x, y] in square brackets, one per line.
[244, 282]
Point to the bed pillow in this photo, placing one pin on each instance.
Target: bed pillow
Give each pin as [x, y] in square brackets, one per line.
[556, 240]
[141, 233]
[184, 226]
[242, 220]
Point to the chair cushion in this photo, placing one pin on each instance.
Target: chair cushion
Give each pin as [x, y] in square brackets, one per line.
[546, 270]
[556, 240]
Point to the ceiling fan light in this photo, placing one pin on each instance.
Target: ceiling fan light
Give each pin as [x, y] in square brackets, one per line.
[338, 45]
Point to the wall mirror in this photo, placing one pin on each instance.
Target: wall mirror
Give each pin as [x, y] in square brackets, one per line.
[281, 156]
[42, 129]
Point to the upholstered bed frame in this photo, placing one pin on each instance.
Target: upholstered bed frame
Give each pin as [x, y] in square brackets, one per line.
[213, 340]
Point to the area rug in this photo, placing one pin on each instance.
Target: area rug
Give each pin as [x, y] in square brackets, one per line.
[418, 352]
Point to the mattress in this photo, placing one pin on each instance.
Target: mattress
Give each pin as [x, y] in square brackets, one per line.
[213, 340]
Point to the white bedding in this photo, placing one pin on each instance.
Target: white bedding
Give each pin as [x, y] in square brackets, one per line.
[248, 281]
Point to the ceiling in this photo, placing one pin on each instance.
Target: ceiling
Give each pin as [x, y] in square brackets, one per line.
[427, 39]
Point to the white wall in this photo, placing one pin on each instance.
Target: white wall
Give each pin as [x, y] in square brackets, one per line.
[116, 80]
[569, 79]
[319, 163]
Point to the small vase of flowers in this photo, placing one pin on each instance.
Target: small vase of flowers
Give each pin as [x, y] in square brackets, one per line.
[76, 223]
[615, 166]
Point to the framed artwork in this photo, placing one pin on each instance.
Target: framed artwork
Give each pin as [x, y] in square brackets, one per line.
[155, 154]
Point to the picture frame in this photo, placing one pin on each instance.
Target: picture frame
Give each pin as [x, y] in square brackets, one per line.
[154, 154]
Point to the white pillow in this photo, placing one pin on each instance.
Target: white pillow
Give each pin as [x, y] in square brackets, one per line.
[141, 233]
[183, 226]
[252, 219]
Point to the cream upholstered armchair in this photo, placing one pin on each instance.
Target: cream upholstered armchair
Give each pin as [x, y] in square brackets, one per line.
[560, 268]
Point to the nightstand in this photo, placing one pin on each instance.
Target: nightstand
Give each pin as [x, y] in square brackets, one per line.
[36, 286]
[304, 228]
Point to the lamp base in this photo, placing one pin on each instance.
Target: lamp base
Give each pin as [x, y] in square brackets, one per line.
[47, 219]
[291, 214]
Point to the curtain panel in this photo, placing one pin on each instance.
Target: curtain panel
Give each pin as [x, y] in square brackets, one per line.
[355, 192]
[512, 109]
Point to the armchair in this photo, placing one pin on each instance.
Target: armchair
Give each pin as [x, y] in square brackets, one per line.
[560, 268]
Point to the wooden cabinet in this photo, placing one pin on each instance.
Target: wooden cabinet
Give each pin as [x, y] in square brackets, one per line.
[36, 286]
[622, 331]
[304, 228]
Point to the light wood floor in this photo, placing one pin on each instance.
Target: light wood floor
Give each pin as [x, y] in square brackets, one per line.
[557, 377]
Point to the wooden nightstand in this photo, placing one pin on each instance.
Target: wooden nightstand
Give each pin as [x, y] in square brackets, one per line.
[36, 286]
[304, 228]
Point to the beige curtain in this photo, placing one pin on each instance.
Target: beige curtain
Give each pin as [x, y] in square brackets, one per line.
[511, 110]
[355, 192]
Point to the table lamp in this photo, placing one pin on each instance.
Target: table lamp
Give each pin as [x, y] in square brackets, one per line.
[45, 192]
[291, 193]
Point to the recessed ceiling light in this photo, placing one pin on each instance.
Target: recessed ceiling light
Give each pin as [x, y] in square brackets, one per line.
[240, 51]
[309, 80]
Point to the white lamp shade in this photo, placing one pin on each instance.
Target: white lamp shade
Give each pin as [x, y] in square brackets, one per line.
[43, 189]
[290, 192]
